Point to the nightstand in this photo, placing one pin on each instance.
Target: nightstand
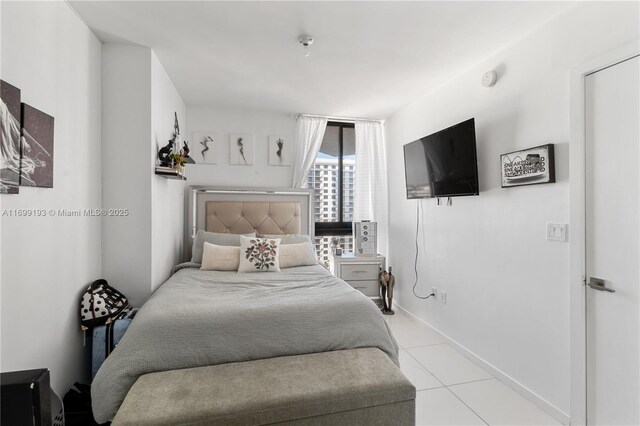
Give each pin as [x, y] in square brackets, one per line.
[361, 272]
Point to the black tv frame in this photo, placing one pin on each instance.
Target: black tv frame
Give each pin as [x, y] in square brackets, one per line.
[475, 155]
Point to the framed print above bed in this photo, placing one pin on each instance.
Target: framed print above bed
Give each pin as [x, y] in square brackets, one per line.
[279, 151]
[241, 149]
[204, 147]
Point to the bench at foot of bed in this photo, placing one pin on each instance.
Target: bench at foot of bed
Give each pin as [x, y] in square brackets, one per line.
[350, 387]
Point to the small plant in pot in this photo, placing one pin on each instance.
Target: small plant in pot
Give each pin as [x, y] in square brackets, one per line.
[178, 160]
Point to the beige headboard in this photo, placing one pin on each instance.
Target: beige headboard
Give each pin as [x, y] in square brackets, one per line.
[241, 217]
[243, 210]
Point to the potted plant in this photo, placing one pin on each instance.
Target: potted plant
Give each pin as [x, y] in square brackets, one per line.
[178, 160]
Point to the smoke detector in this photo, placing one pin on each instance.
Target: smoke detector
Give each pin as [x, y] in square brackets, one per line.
[489, 78]
[306, 41]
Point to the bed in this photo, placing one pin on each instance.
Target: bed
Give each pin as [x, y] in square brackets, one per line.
[199, 318]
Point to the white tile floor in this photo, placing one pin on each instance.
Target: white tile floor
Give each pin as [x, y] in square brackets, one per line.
[452, 390]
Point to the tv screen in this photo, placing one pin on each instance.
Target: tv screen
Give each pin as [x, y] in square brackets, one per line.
[443, 164]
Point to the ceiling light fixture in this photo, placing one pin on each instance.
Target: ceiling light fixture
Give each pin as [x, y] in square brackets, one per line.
[306, 41]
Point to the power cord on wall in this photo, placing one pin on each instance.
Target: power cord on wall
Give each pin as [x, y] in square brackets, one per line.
[415, 262]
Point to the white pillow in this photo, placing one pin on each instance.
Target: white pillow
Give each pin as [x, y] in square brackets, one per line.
[302, 254]
[259, 254]
[217, 238]
[220, 258]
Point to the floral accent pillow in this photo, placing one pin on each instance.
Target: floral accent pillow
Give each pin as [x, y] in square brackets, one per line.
[259, 254]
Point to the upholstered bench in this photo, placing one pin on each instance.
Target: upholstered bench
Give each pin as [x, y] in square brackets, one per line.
[349, 387]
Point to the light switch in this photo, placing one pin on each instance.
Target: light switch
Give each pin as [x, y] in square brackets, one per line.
[557, 232]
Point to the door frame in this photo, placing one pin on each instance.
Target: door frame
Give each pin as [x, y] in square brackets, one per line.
[577, 247]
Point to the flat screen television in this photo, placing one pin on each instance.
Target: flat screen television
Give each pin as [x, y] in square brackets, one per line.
[443, 164]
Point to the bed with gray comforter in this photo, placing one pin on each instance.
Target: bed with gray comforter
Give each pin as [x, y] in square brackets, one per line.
[200, 318]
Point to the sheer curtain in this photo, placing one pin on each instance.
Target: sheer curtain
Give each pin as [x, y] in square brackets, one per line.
[370, 186]
[309, 134]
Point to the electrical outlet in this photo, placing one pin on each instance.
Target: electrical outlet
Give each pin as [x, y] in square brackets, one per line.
[434, 291]
[442, 296]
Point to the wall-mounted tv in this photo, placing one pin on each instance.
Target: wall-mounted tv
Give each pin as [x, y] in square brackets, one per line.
[443, 164]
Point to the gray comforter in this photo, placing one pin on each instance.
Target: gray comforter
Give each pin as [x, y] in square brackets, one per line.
[202, 318]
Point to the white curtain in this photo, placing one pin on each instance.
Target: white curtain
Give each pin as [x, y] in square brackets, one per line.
[309, 134]
[370, 186]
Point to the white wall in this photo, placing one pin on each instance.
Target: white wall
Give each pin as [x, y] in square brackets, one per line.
[138, 108]
[507, 287]
[166, 194]
[48, 261]
[126, 168]
[226, 121]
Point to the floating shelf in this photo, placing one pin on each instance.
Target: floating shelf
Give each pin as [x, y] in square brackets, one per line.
[170, 174]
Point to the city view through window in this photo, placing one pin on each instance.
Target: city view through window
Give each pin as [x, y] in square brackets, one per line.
[334, 190]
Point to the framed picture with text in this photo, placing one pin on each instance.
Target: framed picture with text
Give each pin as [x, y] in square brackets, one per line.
[528, 167]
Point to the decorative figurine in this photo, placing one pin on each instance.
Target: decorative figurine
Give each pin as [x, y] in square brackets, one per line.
[176, 126]
[387, 281]
[185, 152]
[164, 154]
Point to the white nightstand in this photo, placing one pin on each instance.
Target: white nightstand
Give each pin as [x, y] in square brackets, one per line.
[361, 272]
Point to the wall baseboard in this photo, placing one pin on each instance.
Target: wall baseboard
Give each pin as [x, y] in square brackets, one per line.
[518, 387]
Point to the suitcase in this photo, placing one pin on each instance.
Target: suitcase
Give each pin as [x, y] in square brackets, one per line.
[105, 338]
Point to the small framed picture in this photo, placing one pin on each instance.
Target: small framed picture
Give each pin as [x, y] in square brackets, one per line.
[279, 151]
[204, 147]
[528, 167]
[241, 149]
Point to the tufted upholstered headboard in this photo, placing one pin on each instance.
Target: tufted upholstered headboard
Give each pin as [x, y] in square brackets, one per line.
[241, 217]
[243, 210]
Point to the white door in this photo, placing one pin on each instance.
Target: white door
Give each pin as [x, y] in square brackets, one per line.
[612, 100]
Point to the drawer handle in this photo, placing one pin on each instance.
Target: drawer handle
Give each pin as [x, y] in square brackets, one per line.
[359, 272]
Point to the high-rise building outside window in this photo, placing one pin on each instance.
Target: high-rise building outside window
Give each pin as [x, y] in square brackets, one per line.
[332, 177]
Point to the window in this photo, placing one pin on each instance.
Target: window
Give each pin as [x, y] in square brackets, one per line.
[332, 176]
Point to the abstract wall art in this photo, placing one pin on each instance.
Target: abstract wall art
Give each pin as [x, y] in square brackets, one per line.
[204, 147]
[10, 142]
[241, 149]
[36, 161]
[26, 148]
[279, 151]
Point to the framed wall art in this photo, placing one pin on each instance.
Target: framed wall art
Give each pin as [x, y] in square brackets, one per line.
[528, 167]
[204, 147]
[241, 149]
[279, 151]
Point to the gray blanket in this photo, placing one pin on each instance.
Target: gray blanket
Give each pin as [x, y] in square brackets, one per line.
[202, 318]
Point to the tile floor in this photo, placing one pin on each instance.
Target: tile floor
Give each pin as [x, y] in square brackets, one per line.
[452, 390]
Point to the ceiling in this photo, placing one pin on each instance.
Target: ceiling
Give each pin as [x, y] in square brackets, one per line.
[368, 59]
